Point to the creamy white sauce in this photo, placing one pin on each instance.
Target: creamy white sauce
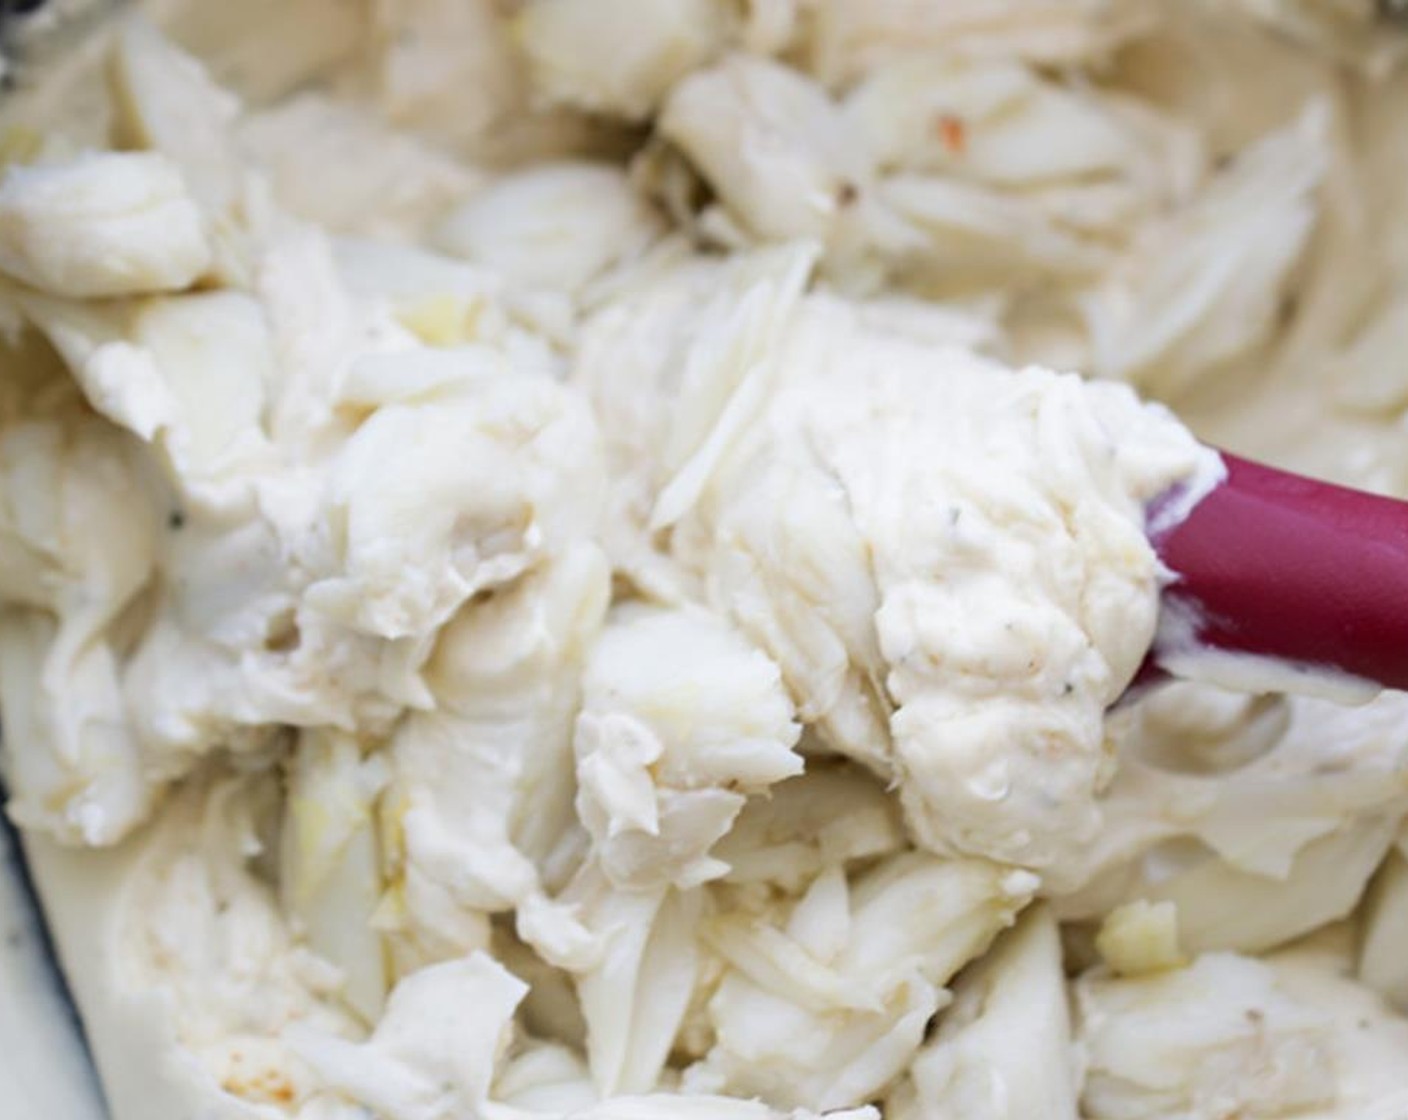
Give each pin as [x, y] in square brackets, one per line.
[46, 1071]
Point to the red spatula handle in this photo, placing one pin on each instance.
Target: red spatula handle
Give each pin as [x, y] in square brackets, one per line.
[1283, 566]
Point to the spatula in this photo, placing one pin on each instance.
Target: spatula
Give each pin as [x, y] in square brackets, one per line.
[1272, 571]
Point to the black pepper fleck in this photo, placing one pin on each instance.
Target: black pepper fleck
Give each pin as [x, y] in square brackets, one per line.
[176, 520]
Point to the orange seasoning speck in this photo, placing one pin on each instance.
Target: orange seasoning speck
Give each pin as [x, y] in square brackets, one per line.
[953, 133]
